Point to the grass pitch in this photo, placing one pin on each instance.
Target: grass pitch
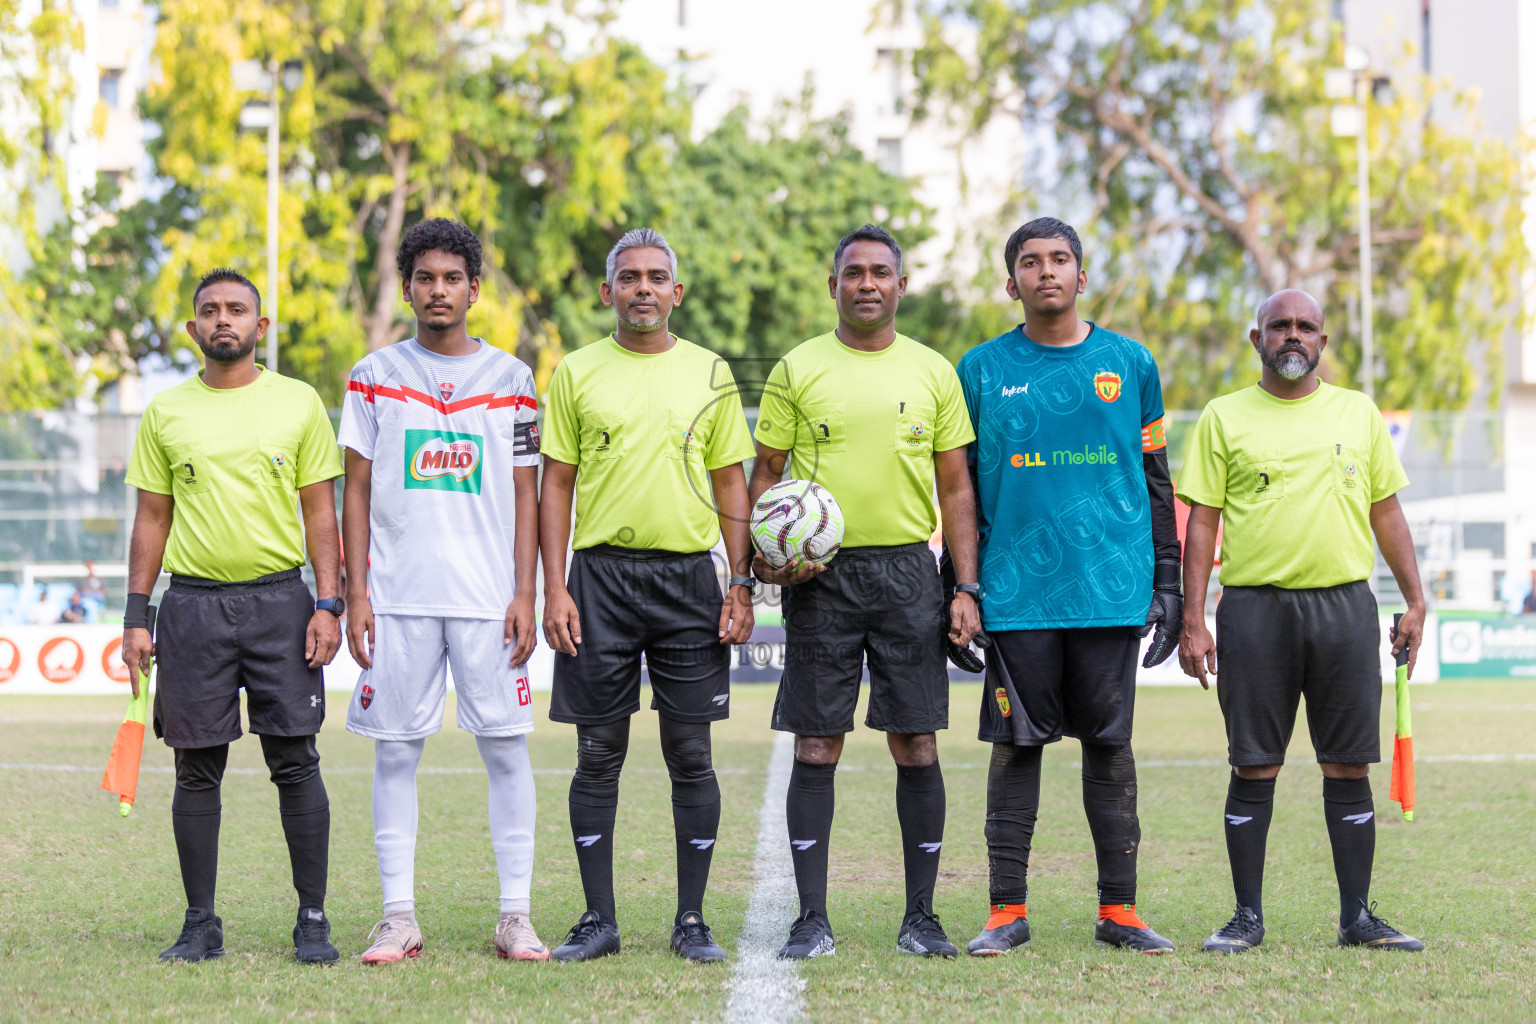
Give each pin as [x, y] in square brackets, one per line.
[89, 899]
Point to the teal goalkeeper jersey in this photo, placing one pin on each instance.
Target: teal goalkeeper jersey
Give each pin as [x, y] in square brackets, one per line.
[1062, 506]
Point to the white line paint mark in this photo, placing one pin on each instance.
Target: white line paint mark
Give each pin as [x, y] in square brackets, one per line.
[765, 989]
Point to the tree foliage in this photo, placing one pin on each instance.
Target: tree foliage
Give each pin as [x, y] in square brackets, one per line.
[406, 112]
[1192, 145]
[34, 103]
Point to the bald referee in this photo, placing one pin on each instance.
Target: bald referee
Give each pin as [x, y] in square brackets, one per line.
[1300, 475]
[225, 465]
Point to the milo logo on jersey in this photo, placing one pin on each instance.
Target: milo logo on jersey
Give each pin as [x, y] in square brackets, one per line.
[440, 460]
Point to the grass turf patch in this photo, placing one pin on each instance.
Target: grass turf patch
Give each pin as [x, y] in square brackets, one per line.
[92, 898]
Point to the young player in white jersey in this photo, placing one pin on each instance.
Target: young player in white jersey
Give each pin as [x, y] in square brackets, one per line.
[440, 526]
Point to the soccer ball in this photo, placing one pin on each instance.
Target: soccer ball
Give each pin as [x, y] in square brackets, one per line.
[797, 518]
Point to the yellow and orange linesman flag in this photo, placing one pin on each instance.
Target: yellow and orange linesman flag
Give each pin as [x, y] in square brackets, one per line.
[122, 774]
[1402, 746]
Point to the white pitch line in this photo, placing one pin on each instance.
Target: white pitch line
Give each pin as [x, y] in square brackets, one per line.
[765, 989]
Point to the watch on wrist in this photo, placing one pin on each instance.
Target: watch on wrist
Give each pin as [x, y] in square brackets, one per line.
[335, 605]
[750, 582]
[974, 589]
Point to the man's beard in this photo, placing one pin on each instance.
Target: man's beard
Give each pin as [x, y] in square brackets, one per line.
[224, 351]
[1292, 364]
[647, 325]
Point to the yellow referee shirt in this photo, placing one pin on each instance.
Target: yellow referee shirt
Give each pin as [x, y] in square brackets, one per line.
[1295, 481]
[644, 432]
[865, 425]
[233, 460]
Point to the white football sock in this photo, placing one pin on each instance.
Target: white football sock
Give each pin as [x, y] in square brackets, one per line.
[513, 807]
[394, 817]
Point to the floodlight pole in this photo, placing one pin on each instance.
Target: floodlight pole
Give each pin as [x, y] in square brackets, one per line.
[1363, 197]
[272, 144]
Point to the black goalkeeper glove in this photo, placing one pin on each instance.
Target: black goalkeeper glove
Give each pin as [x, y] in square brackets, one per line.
[1166, 614]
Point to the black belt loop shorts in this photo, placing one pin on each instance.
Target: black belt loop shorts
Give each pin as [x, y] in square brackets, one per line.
[212, 638]
[664, 604]
[1274, 646]
[884, 602]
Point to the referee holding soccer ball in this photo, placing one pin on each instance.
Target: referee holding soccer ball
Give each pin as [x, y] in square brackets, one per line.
[224, 465]
[874, 417]
[1300, 475]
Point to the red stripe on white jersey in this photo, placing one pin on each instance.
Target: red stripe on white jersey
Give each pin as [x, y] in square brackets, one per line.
[404, 394]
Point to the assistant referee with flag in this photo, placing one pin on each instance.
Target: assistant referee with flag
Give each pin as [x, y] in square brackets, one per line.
[223, 464]
[1300, 475]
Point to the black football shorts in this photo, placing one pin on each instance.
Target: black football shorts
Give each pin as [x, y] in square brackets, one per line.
[1043, 684]
[885, 603]
[213, 638]
[663, 604]
[1275, 646]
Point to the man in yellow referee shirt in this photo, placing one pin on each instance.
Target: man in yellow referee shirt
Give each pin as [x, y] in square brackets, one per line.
[1300, 475]
[225, 464]
[646, 431]
[880, 421]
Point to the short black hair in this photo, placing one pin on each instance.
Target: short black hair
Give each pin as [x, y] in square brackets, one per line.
[867, 233]
[218, 274]
[1041, 227]
[441, 234]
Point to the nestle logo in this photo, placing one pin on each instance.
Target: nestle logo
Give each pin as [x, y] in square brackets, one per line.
[1010, 392]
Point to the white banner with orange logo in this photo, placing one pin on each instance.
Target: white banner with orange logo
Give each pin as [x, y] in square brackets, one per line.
[62, 659]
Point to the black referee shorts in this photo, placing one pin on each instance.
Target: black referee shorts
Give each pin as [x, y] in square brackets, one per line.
[884, 602]
[633, 601]
[212, 638]
[1275, 646]
[1043, 684]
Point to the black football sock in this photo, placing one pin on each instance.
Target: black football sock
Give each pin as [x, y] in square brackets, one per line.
[1109, 800]
[808, 813]
[1250, 805]
[306, 812]
[594, 802]
[920, 809]
[1013, 803]
[695, 807]
[1352, 832]
[195, 815]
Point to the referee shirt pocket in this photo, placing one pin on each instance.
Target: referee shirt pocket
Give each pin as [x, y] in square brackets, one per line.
[686, 438]
[827, 426]
[1259, 480]
[914, 429]
[191, 472]
[602, 436]
[1351, 472]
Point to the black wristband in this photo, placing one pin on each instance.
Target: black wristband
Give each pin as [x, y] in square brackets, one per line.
[136, 614]
[1165, 576]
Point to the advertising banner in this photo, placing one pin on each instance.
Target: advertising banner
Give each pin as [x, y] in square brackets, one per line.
[1487, 646]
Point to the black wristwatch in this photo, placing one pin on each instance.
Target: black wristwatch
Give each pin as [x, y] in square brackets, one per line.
[335, 605]
[974, 589]
[750, 582]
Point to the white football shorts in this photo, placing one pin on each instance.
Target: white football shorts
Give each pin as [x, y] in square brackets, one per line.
[402, 696]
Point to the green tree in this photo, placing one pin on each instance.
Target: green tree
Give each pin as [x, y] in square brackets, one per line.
[754, 219]
[37, 88]
[1195, 153]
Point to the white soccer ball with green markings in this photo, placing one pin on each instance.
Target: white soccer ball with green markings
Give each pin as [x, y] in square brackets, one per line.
[797, 519]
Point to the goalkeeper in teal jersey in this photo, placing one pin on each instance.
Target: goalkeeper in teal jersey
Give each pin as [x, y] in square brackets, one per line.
[1079, 560]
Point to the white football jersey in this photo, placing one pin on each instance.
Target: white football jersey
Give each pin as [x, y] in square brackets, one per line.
[444, 434]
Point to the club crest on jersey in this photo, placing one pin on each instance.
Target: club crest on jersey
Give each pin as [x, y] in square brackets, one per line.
[1002, 702]
[442, 460]
[445, 391]
[366, 697]
[1106, 385]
